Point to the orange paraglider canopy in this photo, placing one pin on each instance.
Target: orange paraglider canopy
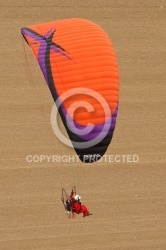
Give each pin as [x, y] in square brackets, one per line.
[76, 54]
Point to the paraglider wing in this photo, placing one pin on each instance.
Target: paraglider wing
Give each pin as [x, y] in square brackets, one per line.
[76, 54]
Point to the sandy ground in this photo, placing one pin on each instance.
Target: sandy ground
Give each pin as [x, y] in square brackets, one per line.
[127, 199]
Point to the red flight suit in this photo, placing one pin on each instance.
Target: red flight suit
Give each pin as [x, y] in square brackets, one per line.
[77, 207]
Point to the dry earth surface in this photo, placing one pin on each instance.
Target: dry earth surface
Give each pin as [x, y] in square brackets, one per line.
[128, 200]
